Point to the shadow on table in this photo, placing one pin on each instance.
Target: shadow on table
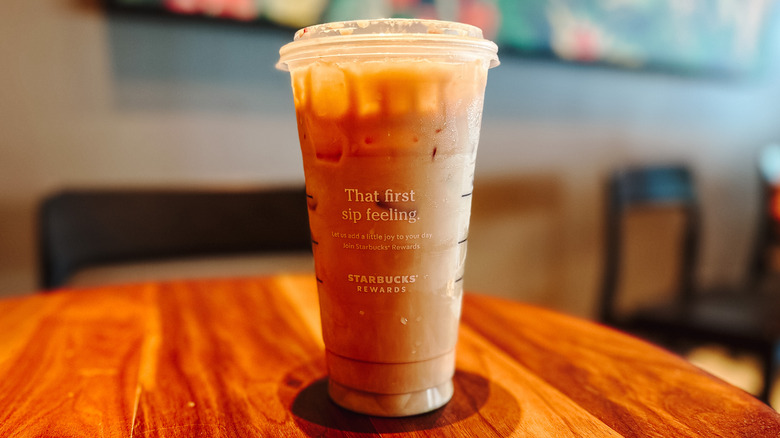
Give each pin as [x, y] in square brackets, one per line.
[315, 413]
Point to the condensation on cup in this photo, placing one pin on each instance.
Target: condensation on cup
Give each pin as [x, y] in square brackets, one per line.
[389, 115]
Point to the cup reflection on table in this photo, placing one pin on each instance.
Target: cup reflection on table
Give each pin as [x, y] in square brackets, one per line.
[389, 113]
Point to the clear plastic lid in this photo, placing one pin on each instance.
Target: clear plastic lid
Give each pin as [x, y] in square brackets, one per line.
[387, 37]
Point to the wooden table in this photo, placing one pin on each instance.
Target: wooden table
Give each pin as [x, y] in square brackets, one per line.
[244, 357]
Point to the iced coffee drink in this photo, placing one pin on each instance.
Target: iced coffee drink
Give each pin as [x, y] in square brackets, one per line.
[389, 115]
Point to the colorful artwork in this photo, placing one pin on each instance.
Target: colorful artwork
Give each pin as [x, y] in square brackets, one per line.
[292, 13]
[691, 36]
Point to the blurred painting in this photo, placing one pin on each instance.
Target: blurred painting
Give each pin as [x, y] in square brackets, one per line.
[291, 13]
[686, 36]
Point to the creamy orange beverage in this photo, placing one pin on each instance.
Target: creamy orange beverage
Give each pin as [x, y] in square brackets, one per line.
[389, 115]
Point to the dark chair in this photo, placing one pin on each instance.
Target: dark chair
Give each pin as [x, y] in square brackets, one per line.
[767, 241]
[87, 228]
[743, 319]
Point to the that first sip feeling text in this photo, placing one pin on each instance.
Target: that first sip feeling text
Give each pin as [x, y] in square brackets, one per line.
[384, 206]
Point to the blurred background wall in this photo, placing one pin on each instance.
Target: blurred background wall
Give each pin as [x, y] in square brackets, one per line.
[91, 99]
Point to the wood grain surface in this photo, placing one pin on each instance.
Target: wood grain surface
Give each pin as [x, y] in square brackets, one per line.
[244, 358]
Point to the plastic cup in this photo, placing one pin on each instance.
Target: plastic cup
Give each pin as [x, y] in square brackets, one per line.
[389, 114]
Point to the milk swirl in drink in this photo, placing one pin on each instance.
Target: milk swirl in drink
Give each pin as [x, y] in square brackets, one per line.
[388, 115]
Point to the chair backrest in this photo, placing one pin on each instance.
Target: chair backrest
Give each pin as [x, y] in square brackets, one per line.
[648, 187]
[82, 228]
[767, 236]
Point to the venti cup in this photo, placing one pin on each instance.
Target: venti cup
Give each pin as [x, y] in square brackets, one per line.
[389, 115]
